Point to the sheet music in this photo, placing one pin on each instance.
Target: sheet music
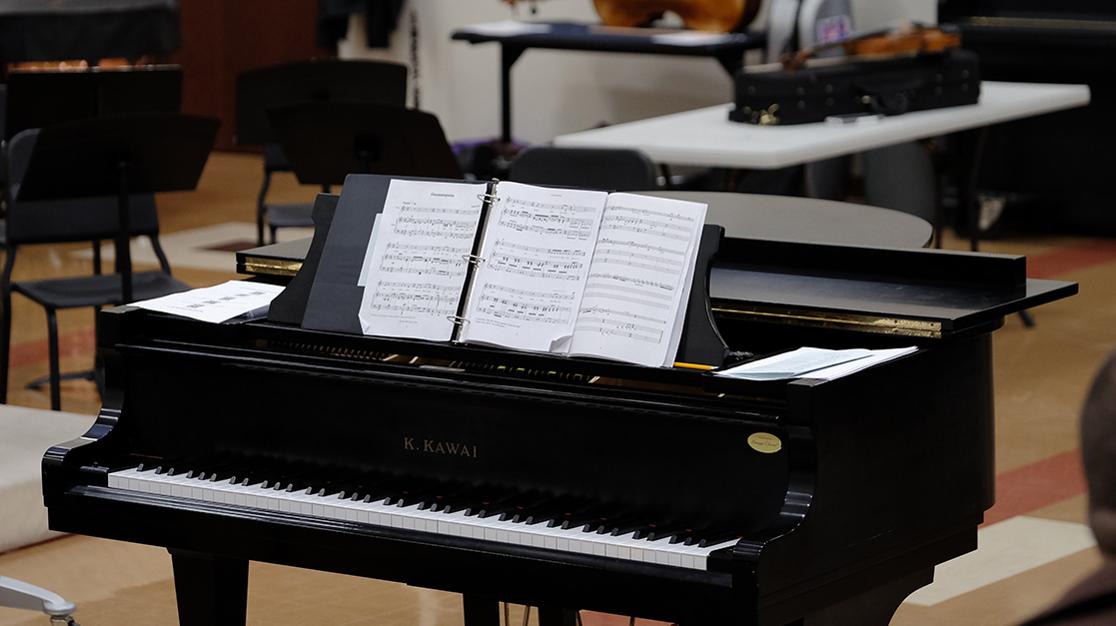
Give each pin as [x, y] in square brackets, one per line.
[819, 363]
[639, 279]
[536, 252]
[417, 268]
[219, 303]
[366, 265]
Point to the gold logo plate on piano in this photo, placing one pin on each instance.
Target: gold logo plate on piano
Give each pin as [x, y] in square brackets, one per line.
[765, 443]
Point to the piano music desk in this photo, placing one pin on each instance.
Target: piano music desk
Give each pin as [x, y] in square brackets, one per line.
[706, 137]
[754, 216]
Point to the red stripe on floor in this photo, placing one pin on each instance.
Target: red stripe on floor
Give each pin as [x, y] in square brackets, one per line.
[74, 343]
[1064, 260]
[1031, 487]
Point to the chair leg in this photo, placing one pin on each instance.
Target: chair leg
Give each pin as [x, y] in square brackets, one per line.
[5, 343]
[261, 207]
[55, 375]
[6, 323]
[274, 232]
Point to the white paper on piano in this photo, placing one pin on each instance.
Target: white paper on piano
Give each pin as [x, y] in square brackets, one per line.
[817, 363]
[366, 265]
[418, 260]
[537, 247]
[216, 304]
[639, 280]
[506, 28]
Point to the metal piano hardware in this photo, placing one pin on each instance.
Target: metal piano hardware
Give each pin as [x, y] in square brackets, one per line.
[563, 483]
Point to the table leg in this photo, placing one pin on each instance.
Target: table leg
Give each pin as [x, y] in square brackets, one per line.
[731, 61]
[974, 153]
[509, 54]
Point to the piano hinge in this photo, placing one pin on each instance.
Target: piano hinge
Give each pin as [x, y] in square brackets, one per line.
[863, 323]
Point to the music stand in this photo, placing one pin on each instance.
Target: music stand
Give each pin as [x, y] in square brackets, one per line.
[37, 99]
[260, 89]
[326, 141]
[119, 155]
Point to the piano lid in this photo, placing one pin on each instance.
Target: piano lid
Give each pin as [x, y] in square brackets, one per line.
[916, 293]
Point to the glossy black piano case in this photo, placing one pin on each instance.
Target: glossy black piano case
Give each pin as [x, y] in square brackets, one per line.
[888, 87]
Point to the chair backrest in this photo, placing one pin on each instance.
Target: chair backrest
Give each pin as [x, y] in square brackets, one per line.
[612, 170]
[57, 221]
[326, 141]
[261, 89]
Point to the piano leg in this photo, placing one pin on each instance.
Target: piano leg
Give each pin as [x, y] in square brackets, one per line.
[480, 610]
[211, 591]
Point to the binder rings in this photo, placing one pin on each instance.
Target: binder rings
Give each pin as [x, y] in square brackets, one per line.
[563, 271]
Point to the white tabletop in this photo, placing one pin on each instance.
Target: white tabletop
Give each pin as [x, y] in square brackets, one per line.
[706, 137]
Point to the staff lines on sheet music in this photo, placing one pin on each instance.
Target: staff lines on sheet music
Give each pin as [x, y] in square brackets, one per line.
[669, 215]
[602, 320]
[394, 299]
[501, 244]
[549, 307]
[605, 251]
[550, 206]
[424, 226]
[410, 207]
[659, 250]
[642, 226]
[561, 221]
[597, 278]
[421, 247]
[535, 268]
[612, 259]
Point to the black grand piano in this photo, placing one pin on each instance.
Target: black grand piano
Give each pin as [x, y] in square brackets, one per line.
[565, 483]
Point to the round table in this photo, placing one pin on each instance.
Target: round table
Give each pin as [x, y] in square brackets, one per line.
[753, 216]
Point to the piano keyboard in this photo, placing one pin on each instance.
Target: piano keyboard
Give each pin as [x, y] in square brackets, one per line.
[546, 525]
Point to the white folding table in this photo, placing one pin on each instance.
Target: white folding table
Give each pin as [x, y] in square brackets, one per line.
[706, 137]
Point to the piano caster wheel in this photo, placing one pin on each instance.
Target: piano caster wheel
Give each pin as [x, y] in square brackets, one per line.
[62, 620]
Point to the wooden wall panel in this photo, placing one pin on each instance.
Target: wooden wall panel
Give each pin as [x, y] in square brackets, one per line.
[221, 38]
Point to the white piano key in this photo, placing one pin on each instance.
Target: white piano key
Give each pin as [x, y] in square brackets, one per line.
[411, 517]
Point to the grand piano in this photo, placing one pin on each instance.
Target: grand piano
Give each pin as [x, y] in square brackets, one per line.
[564, 483]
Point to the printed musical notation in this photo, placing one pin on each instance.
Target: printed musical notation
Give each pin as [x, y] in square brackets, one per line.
[663, 225]
[526, 305]
[620, 323]
[639, 280]
[404, 299]
[553, 219]
[416, 260]
[536, 250]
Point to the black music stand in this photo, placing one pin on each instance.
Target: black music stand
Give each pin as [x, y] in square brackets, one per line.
[119, 155]
[37, 99]
[326, 141]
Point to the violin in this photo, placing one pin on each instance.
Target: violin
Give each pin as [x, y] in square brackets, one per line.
[905, 40]
[721, 16]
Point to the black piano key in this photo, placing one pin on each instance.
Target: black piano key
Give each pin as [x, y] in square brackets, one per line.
[716, 538]
[462, 498]
[518, 507]
[622, 524]
[554, 510]
[494, 505]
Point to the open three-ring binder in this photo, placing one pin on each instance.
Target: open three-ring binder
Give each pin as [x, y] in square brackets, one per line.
[552, 270]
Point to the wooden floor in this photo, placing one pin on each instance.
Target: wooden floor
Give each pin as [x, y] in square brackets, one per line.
[1033, 545]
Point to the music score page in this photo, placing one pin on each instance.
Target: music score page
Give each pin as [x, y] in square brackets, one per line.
[417, 263]
[537, 247]
[639, 280]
